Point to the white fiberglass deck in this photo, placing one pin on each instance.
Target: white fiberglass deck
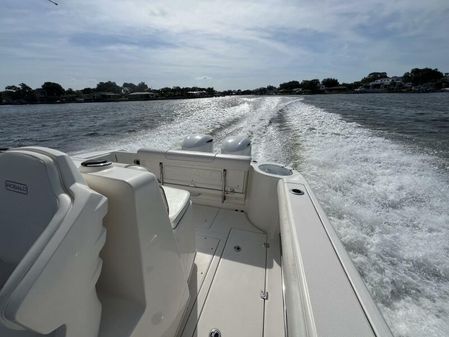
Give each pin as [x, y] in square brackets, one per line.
[236, 287]
[234, 267]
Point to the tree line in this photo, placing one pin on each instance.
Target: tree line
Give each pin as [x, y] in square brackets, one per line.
[425, 79]
[51, 92]
[417, 79]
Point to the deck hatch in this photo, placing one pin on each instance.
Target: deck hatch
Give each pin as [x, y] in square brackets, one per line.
[233, 303]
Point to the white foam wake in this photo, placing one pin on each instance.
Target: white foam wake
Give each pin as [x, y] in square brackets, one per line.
[217, 116]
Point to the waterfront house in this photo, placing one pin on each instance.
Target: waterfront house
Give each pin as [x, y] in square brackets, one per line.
[197, 93]
[336, 90]
[381, 82]
[106, 97]
[140, 96]
[397, 79]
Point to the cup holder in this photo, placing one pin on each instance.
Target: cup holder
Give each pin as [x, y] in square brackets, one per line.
[275, 169]
[96, 163]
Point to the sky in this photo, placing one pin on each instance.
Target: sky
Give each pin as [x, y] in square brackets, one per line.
[226, 44]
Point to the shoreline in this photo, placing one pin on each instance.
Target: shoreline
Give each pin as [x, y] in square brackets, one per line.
[232, 95]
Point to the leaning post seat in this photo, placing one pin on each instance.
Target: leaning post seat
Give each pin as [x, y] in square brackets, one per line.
[179, 212]
[142, 284]
[51, 234]
[178, 206]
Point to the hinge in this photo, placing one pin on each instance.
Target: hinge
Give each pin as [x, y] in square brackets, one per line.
[266, 245]
[264, 295]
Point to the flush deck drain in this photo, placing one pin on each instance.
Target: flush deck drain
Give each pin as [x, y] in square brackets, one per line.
[297, 191]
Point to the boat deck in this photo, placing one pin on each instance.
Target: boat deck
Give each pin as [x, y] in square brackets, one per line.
[236, 284]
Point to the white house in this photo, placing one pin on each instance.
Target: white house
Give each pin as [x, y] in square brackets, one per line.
[381, 82]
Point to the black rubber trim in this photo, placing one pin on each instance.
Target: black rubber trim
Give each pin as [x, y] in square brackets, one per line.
[96, 163]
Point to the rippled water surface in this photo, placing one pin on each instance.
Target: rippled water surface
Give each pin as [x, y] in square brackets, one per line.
[379, 164]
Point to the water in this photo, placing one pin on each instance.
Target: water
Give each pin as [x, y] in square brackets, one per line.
[379, 164]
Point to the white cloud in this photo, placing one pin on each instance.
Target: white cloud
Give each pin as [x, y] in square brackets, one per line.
[203, 78]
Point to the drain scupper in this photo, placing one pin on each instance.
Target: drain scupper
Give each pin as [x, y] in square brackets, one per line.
[297, 191]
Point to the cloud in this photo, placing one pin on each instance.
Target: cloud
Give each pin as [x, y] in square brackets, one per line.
[98, 40]
[203, 78]
[237, 43]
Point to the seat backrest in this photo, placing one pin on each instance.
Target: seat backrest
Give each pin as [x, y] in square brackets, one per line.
[51, 235]
[29, 194]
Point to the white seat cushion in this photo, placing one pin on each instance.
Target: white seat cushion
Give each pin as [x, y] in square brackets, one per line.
[178, 202]
[51, 233]
[29, 199]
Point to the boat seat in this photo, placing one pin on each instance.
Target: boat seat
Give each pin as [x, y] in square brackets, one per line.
[143, 284]
[178, 202]
[51, 234]
[179, 212]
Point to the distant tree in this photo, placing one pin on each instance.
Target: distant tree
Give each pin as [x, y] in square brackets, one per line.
[419, 76]
[260, 91]
[210, 91]
[445, 81]
[407, 78]
[289, 85]
[373, 76]
[87, 91]
[142, 86]
[72, 95]
[352, 86]
[12, 88]
[10, 93]
[177, 91]
[21, 93]
[108, 86]
[312, 85]
[27, 93]
[165, 92]
[228, 92]
[330, 82]
[130, 87]
[53, 90]
[377, 75]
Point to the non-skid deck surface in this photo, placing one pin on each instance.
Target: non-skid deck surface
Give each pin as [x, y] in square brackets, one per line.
[232, 269]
